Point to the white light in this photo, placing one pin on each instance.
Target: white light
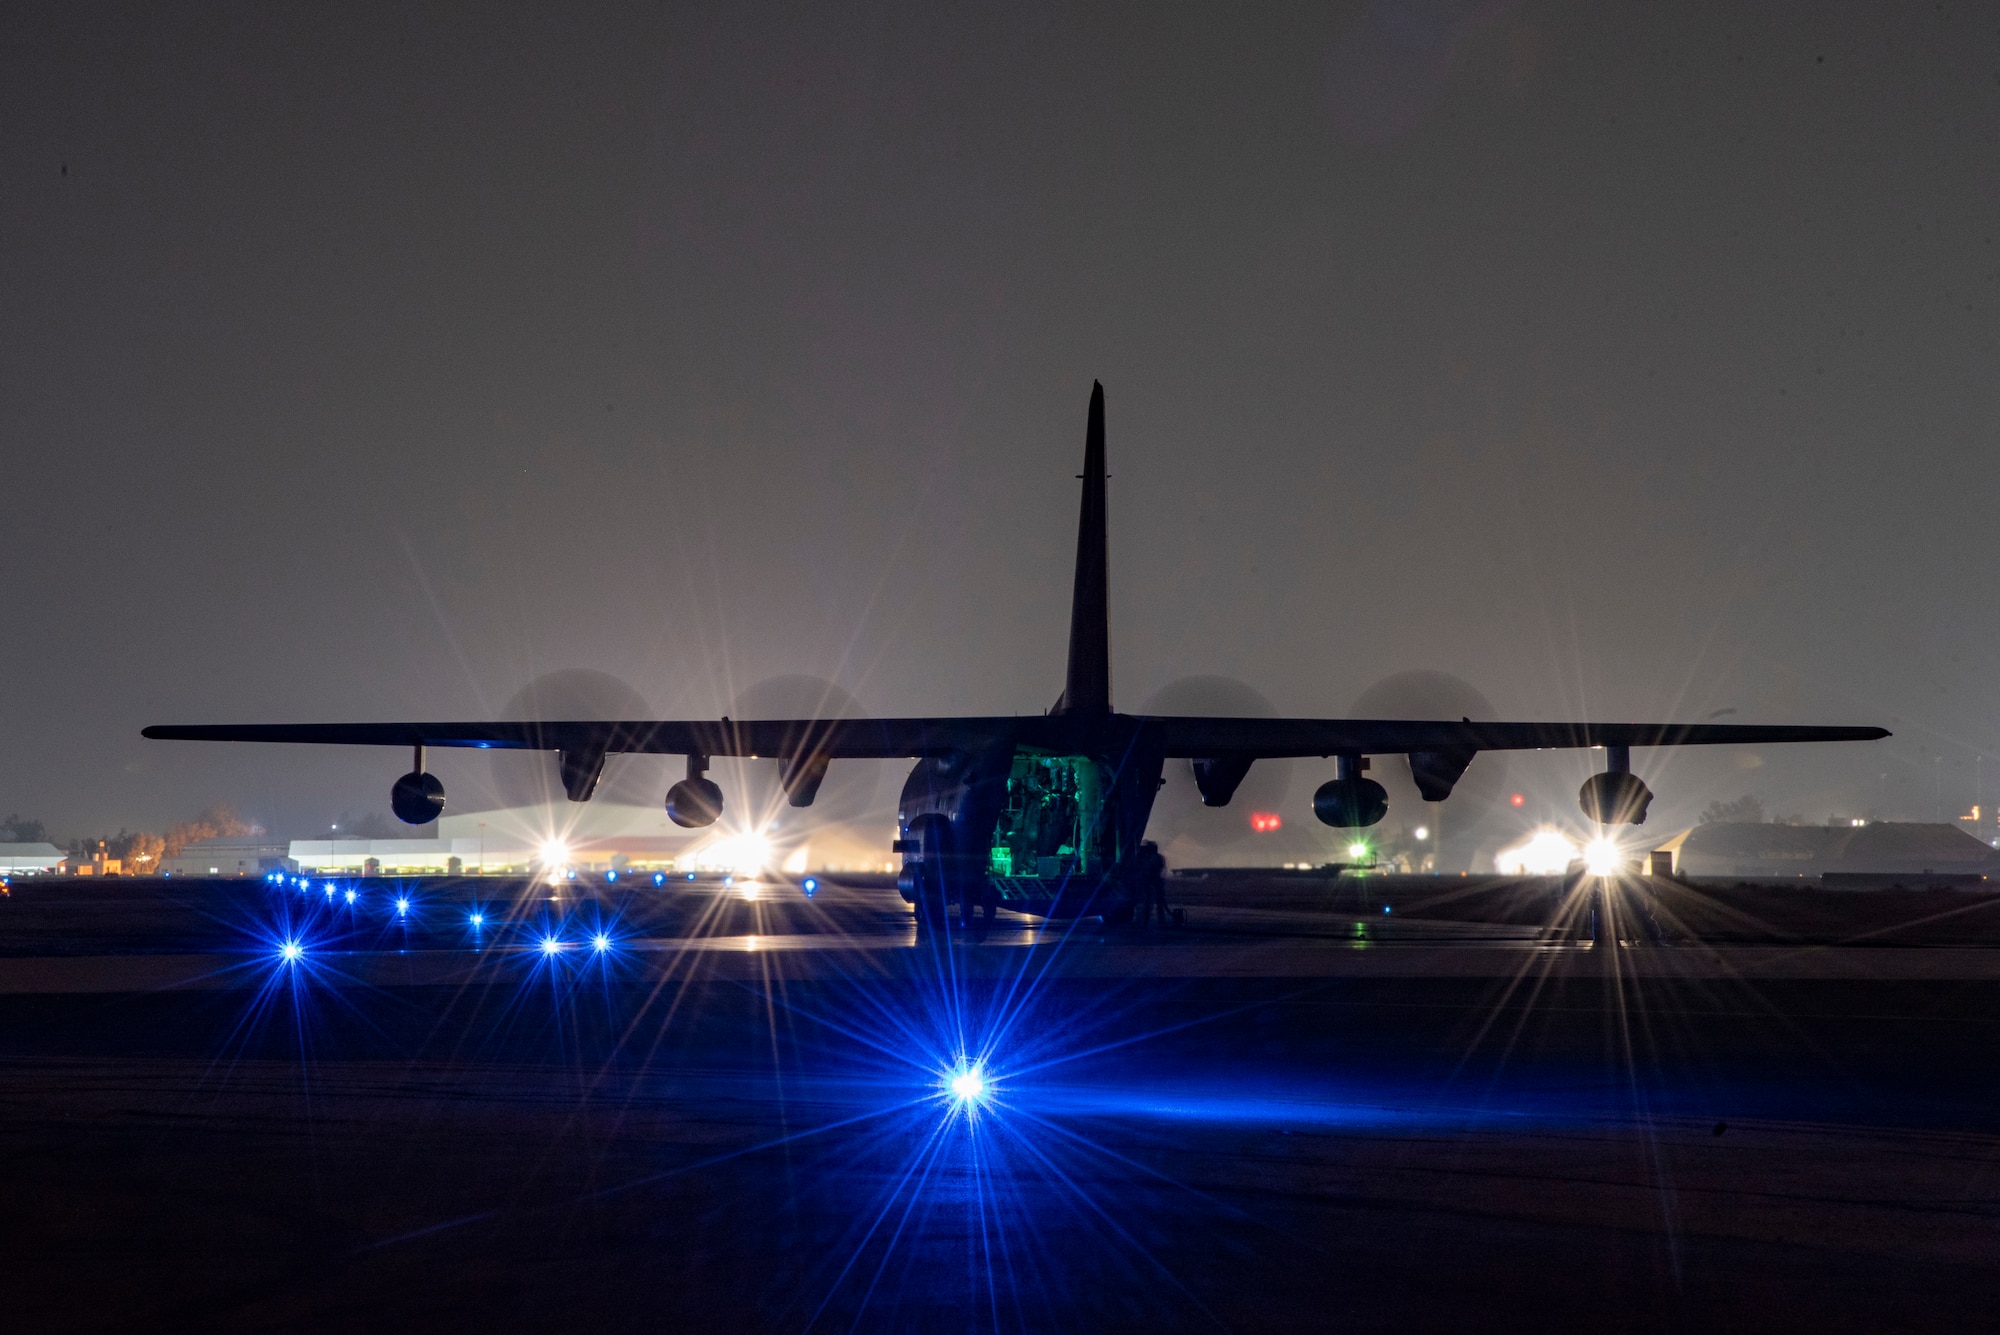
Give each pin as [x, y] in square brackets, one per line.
[1357, 850]
[600, 942]
[1602, 857]
[291, 951]
[554, 853]
[1544, 853]
[1422, 832]
[744, 854]
[968, 1085]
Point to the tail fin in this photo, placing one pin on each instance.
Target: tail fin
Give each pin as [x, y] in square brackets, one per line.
[1087, 689]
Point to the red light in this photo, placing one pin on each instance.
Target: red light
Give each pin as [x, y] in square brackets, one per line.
[1518, 800]
[1263, 822]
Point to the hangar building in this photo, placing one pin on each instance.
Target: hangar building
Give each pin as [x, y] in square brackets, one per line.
[1879, 848]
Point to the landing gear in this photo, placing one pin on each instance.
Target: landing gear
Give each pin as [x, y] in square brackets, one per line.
[928, 844]
[933, 912]
[976, 903]
[976, 898]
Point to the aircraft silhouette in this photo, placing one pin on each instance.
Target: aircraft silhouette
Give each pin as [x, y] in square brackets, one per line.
[1044, 814]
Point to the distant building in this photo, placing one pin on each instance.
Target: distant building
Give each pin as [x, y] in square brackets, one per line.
[30, 859]
[412, 857]
[602, 837]
[98, 863]
[252, 856]
[590, 836]
[1880, 848]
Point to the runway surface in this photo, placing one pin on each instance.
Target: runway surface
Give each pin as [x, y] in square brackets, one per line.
[1494, 1104]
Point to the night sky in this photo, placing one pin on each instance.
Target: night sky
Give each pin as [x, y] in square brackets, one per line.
[1625, 361]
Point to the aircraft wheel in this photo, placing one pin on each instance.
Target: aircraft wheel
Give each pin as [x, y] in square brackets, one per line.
[976, 904]
[932, 833]
[932, 906]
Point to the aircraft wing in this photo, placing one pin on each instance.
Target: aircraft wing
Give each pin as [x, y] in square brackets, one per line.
[852, 739]
[888, 739]
[1439, 751]
[1275, 737]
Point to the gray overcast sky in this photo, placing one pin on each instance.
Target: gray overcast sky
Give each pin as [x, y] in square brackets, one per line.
[1625, 360]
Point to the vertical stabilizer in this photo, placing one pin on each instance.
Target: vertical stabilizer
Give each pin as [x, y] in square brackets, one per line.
[1087, 689]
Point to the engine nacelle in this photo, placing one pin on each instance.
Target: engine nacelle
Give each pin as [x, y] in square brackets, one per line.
[1436, 773]
[417, 799]
[801, 776]
[694, 802]
[1615, 798]
[1350, 803]
[1217, 778]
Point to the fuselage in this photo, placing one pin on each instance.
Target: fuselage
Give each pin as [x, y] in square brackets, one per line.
[1048, 822]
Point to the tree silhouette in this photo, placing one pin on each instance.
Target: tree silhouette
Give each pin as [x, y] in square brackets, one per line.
[20, 830]
[1745, 810]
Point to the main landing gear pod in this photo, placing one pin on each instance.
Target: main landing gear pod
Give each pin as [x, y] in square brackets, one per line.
[1617, 796]
[1348, 800]
[417, 798]
[696, 800]
[922, 880]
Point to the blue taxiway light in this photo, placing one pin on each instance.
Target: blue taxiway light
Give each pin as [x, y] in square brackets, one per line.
[1385, 908]
[600, 943]
[350, 896]
[477, 920]
[402, 906]
[659, 878]
[690, 876]
[810, 886]
[968, 1085]
[290, 952]
[550, 945]
[611, 876]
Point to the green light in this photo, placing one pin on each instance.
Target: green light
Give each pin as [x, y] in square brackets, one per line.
[1053, 823]
[1357, 850]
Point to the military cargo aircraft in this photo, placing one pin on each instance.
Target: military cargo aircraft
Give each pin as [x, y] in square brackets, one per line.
[1046, 814]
